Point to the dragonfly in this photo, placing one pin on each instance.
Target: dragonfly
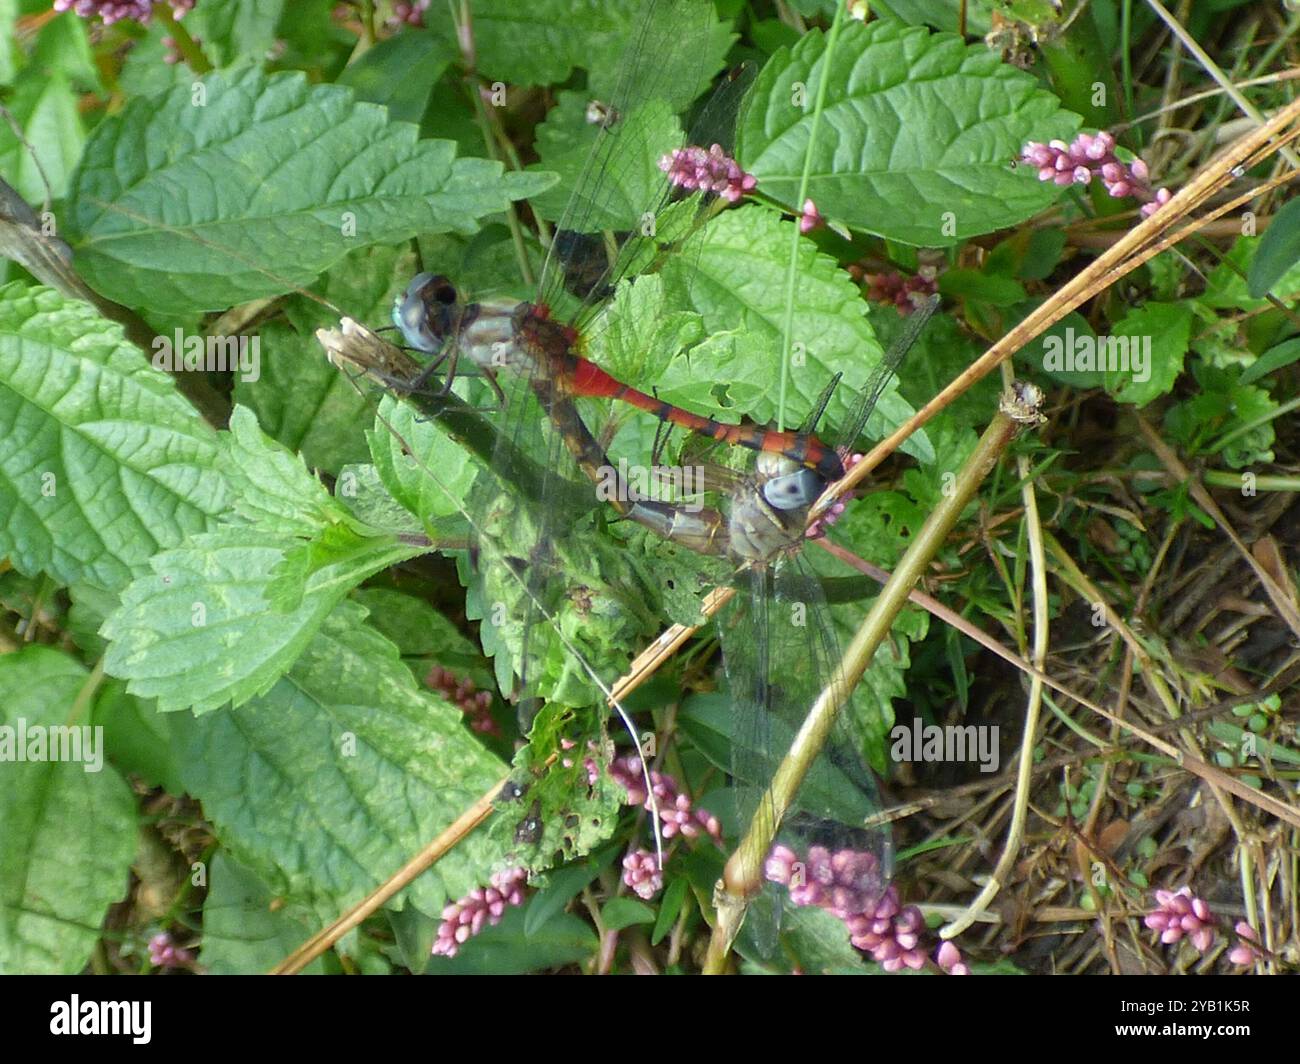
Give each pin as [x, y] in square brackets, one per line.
[505, 335]
[532, 360]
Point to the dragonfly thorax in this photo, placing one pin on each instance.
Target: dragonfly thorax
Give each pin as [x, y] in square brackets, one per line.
[769, 513]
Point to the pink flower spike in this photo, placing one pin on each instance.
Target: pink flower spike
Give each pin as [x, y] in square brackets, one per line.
[694, 168]
[1180, 913]
[110, 11]
[164, 953]
[1089, 156]
[642, 874]
[463, 919]
[1246, 952]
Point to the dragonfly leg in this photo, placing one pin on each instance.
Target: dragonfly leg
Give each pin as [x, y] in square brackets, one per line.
[449, 378]
[491, 378]
[661, 441]
[418, 382]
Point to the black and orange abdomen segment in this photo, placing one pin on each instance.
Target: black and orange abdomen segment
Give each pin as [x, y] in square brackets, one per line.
[588, 379]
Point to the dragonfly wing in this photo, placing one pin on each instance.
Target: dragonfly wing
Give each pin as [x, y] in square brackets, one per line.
[839, 793]
[559, 609]
[879, 379]
[780, 653]
[615, 190]
[743, 629]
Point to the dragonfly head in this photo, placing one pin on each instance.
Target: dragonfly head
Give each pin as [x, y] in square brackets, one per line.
[427, 311]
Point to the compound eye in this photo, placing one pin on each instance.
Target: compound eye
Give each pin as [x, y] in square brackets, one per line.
[794, 490]
[440, 289]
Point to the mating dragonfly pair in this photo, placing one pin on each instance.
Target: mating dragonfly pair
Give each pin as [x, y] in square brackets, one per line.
[779, 649]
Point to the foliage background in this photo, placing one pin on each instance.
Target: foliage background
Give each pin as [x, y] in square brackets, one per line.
[184, 566]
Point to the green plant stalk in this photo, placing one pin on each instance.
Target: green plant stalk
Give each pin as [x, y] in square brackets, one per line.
[1253, 424]
[743, 875]
[1225, 479]
[193, 55]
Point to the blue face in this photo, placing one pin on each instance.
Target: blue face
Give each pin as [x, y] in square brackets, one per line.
[412, 318]
[794, 490]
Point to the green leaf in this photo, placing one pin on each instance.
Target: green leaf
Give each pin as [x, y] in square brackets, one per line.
[271, 485]
[249, 185]
[630, 186]
[738, 286]
[226, 614]
[399, 73]
[410, 622]
[619, 913]
[107, 463]
[45, 110]
[360, 490]
[564, 885]
[1157, 334]
[1221, 408]
[1275, 358]
[201, 631]
[539, 43]
[986, 288]
[244, 931]
[63, 47]
[639, 335]
[916, 138]
[1278, 252]
[8, 41]
[434, 484]
[137, 738]
[669, 909]
[507, 949]
[820, 942]
[69, 827]
[1226, 288]
[325, 786]
[414, 934]
[235, 30]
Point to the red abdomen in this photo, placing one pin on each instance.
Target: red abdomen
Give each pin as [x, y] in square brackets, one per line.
[587, 379]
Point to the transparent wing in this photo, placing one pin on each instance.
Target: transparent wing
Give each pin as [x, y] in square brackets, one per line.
[780, 653]
[621, 209]
[533, 586]
[893, 358]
